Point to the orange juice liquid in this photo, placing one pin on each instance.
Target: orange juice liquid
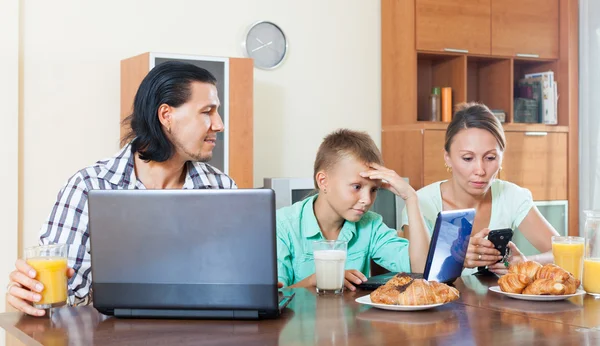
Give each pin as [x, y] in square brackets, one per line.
[52, 273]
[569, 256]
[591, 275]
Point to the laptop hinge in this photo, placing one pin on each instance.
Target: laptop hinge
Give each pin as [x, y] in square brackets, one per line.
[191, 314]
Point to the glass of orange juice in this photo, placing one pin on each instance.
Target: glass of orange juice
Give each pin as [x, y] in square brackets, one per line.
[568, 254]
[50, 264]
[591, 259]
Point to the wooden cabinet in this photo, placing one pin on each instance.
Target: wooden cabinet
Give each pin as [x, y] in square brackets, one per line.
[433, 157]
[402, 151]
[453, 25]
[489, 81]
[525, 28]
[537, 161]
[434, 70]
[534, 160]
[415, 154]
[496, 33]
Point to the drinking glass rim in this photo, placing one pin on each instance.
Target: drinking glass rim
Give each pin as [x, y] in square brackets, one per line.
[330, 241]
[568, 239]
[48, 246]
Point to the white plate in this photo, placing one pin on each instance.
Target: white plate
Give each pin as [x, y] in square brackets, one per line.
[366, 300]
[545, 298]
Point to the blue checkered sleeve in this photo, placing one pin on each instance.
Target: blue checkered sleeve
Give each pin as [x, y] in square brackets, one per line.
[68, 224]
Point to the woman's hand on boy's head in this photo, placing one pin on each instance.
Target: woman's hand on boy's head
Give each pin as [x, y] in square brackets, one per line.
[390, 180]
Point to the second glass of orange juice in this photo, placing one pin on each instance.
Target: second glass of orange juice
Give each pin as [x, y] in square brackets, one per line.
[568, 254]
[50, 264]
[591, 266]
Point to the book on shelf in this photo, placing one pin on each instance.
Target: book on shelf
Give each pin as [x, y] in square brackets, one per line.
[549, 96]
[500, 114]
[528, 101]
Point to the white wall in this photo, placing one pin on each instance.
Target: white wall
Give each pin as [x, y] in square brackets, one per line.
[71, 54]
[9, 118]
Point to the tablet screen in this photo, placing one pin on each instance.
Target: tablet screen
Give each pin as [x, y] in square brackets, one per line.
[449, 244]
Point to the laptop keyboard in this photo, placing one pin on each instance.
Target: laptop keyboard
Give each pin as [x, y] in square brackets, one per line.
[285, 299]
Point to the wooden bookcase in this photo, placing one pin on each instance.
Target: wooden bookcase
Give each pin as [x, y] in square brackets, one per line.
[237, 98]
[481, 48]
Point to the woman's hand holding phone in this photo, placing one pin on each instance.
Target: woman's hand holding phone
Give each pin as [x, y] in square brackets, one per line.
[514, 256]
[481, 252]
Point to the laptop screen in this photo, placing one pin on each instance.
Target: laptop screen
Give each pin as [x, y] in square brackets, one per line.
[449, 245]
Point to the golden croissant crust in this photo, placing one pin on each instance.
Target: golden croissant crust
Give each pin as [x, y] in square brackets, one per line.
[514, 283]
[532, 278]
[403, 290]
[571, 285]
[554, 272]
[529, 268]
[544, 287]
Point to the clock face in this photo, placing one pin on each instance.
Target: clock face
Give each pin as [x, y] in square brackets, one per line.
[266, 44]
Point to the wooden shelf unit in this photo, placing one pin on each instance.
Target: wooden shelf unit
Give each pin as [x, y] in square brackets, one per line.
[542, 158]
[487, 79]
[442, 70]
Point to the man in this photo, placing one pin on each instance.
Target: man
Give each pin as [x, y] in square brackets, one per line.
[174, 128]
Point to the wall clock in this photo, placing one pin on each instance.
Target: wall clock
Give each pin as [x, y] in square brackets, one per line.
[267, 44]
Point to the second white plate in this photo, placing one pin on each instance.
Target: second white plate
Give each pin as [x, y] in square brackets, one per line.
[366, 300]
[544, 298]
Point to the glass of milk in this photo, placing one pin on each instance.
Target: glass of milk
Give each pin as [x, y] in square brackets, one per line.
[330, 261]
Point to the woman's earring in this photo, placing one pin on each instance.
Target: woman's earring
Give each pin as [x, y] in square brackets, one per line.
[500, 167]
[325, 191]
[448, 168]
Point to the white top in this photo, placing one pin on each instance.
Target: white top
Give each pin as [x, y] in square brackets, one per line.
[510, 204]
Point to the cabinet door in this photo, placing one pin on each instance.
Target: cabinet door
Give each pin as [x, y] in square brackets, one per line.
[525, 28]
[402, 151]
[447, 25]
[537, 161]
[433, 157]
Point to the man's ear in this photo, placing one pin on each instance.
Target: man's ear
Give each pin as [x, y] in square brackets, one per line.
[322, 180]
[164, 115]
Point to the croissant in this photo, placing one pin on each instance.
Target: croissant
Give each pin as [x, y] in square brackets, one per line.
[399, 280]
[554, 272]
[514, 283]
[545, 287]
[445, 292]
[571, 285]
[402, 290]
[529, 268]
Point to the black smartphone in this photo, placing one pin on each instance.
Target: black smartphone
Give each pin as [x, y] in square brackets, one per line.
[500, 239]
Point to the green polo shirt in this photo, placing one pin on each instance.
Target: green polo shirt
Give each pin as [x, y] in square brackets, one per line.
[367, 239]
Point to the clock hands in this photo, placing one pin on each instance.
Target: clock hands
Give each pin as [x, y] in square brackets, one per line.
[262, 46]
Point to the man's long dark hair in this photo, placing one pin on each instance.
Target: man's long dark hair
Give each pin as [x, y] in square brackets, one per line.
[167, 83]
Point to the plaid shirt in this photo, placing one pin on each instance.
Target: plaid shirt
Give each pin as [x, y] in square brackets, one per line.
[68, 221]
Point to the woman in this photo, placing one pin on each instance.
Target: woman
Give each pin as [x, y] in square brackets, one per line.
[474, 149]
[340, 210]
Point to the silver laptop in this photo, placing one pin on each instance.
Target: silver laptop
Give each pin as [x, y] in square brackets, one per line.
[184, 253]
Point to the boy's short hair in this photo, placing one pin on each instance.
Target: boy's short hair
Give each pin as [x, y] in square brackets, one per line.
[343, 143]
